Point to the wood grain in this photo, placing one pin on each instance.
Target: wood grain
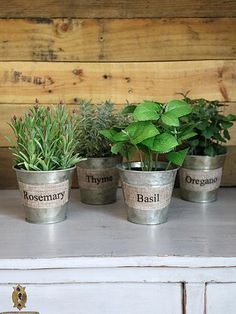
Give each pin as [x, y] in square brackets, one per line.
[117, 8]
[22, 82]
[118, 40]
[7, 175]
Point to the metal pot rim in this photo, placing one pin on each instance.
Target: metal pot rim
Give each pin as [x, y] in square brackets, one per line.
[42, 171]
[122, 165]
[100, 158]
[206, 156]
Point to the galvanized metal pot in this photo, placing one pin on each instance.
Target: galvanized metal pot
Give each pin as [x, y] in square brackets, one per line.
[98, 180]
[200, 178]
[45, 194]
[147, 194]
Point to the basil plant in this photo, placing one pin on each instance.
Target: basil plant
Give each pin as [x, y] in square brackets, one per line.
[153, 129]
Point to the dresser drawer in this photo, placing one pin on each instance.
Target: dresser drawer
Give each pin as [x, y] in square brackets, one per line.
[98, 298]
[221, 298]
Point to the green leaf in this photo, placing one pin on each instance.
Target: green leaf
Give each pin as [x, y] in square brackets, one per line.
[129, 109]
[219, 138]
[121, 137]
[164, 143]
[116, 148]
[187, 135]
[177, 158]
[208, 132]
[139, 131]
[108, 133]
[202, 125]
[179, 108]
[231, 117]
[169, 118]
[150, 103]
[146, 111]
[149, 142]
[31, 147]
[227, 124]
[226, 134]
[209, 151]
[194, 143]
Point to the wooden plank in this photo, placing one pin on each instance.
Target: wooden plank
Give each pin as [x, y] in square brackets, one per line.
[117, 8]
[230, 108]
[117, 40]
[22, 82]
[8, 177]
[8, 110]
[229, 173]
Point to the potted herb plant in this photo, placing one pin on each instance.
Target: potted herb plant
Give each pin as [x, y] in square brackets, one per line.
[200, 175]
[97, 175]
[154, 128]
[45, 158]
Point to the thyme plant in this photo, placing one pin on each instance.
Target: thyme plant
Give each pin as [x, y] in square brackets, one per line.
[93, 119]
[210, 125]
[46, 139]
[154, 128]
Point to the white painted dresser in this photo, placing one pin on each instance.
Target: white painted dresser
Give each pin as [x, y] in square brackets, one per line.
[96, 262]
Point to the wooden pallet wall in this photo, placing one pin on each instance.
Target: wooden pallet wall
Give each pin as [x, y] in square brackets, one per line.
[120, 50]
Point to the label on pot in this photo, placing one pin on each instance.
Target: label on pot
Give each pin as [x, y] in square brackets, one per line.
[97, 179]
[200, 180]
[147, 198]
[44, 196]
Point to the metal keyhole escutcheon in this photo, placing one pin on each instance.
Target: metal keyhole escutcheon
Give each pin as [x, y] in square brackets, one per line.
[19, 297]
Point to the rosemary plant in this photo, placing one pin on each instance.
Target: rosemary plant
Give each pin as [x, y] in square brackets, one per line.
[93, 119]
[46, 139]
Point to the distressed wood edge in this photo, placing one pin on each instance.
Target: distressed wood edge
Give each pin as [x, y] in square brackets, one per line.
[129, 9]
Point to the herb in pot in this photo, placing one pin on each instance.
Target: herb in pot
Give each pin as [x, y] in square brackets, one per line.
[154, 129]
[210, 125]
[45, 157]
[46, 139]
[97, 175]
[200, 175]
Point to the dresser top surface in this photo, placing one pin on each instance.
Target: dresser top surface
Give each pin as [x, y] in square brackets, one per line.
[102, 235]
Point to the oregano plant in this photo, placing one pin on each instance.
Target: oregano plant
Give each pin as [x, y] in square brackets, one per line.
[154, 128]
[210, 125]
[45, 139]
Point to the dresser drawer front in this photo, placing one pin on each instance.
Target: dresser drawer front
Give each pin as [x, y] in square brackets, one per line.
[98, 298]
[221, 298]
